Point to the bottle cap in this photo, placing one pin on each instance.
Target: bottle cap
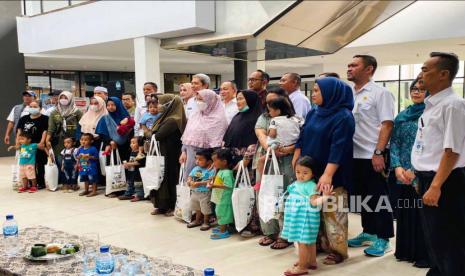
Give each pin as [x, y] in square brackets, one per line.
[104, 249]
[9, 216]
[209, 272]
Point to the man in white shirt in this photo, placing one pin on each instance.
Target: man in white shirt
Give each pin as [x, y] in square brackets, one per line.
[290, 82]
[149, 89]
[16, 113]
[374, 108]
[438, 157]
[228, 92]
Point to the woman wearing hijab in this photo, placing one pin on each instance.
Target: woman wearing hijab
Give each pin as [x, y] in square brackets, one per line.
[63, 123]
[168, 130]
[326, 137]
[97, 109]
[205, 128]
[188, 98]
[410, 240]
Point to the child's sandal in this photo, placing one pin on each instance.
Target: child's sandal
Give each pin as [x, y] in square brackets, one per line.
[219, 235]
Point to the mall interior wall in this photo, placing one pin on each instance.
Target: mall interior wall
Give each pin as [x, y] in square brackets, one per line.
[12, 65]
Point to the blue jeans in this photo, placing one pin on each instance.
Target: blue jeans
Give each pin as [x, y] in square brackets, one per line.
[132, 189]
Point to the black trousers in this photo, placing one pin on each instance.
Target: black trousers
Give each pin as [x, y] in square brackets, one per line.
[368, 182]
[444, 226]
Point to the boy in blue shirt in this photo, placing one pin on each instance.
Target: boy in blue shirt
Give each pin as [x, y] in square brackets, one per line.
[198, 179]
[87, 157]
[150, 117]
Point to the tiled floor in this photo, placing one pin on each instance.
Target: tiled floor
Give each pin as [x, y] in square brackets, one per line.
[130, 225]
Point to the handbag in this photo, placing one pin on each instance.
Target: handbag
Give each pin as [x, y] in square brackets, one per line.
[243, 198]
[271, 188]
[152, 173]
[116, 176]
[183, 209]
[102, 159]
[15, 180]
[51, 172]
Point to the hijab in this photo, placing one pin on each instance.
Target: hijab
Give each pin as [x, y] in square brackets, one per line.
[90, 119]
[240, 132]
[120, 113]
[205, 129]
[69, 109]
[337, 95]
[173, 109]
[411, 113]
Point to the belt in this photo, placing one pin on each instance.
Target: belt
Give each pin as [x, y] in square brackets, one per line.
[425, 173]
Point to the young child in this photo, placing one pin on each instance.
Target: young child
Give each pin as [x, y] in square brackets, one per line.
[69, 166]
[302, 215]
[132, 166]
[223, 184]
[27, 161]
[87, 155]
[148, 119]
[198, 179]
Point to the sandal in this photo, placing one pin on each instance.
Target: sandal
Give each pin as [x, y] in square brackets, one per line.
[281, 244]
[92, 194]
[219, 235]
[84, 193]
[265, 241]
[194, 224]
[294, 271]
[205, 227]
[311, 267]
[332, 259]
[169, 213]
[157, 212]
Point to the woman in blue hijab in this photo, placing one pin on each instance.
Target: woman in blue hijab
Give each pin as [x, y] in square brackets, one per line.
[326, 136]
[410, 240]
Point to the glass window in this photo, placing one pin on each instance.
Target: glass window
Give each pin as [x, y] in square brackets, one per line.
[457, 86]
[65, 80]
[89, 80]
[50, 5]
[405, 100]
[172, 82]
[32, 7]
[390, 72]
[393, 87]
[39, 81]
[120, 82]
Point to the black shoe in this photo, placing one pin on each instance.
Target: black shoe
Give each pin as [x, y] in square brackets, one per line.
[434, 271]
[421, 264]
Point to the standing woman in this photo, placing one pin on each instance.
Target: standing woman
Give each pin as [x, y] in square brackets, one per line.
[327, 138]
[88, 123]
[205, 129]
[168, 130]
[410, 240]
[63, 123]
[188, 98]
[36, 125]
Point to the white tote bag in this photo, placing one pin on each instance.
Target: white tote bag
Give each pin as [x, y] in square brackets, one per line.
[15, 180]
[116, 176]
[271, 188]
[51, 173]
[183, 209]
[243, 198]
[152, 174]
[102, 159]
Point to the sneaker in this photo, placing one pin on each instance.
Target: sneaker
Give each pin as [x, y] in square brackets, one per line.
[33, 190]
[363, 239]
[23, 190]
[379, 248]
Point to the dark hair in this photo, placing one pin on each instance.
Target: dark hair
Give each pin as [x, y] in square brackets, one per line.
[139, 139]
[88, 135]
[447, 61]
[283, 105]
[154, 85]
[206, 153]
[306, 161]
[39, 102]
[265, 75]
[330, 74]
[412, 85]
[26, 135]
[153, 101]
[69, 137]
[224, 154]
[368, 60]
[281, 93]
[133, 96]
[296, 77]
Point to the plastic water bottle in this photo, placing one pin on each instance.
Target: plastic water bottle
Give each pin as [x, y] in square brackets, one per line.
[10, 236]
[209, 272]
[105, 261]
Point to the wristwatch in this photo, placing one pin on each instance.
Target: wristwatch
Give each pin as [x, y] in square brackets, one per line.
[379, 152]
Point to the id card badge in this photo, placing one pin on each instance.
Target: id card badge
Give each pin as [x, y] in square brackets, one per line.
[357, 115]
[419, 147]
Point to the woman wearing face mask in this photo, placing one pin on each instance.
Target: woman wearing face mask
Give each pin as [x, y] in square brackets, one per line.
[205, 129]
[36, 125]
[63, 123]
[89, 120]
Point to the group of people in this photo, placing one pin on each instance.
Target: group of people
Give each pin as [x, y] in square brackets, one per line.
[344, 147]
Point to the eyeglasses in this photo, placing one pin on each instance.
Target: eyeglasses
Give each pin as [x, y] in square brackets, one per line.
[416, 89]
[253, 79]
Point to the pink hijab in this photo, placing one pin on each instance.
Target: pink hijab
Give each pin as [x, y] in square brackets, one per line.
[205, 129]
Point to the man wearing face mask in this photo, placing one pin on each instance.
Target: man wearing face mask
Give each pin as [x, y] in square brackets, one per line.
[16, 113]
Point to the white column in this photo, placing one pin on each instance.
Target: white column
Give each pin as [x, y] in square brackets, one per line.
[146, 63]
[257, 55]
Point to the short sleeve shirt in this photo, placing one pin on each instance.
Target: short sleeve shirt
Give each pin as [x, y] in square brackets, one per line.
[35, 127]
[190, 107]
[27, 154]
[88, 166]
[201, 174]
[288, 129]
[148, 119]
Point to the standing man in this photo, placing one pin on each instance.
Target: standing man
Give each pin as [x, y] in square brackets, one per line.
[228, 92]
[290, 82]
[150, 88]
[200, 81]
[438, 157]
[48, 109]
[16, 113]
[374, 119]
[102, 92]
[257, 82]
[129, 102]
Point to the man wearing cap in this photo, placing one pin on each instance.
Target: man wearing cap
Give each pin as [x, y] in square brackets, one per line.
[16, 113]
[102, 92]
[48, 109]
